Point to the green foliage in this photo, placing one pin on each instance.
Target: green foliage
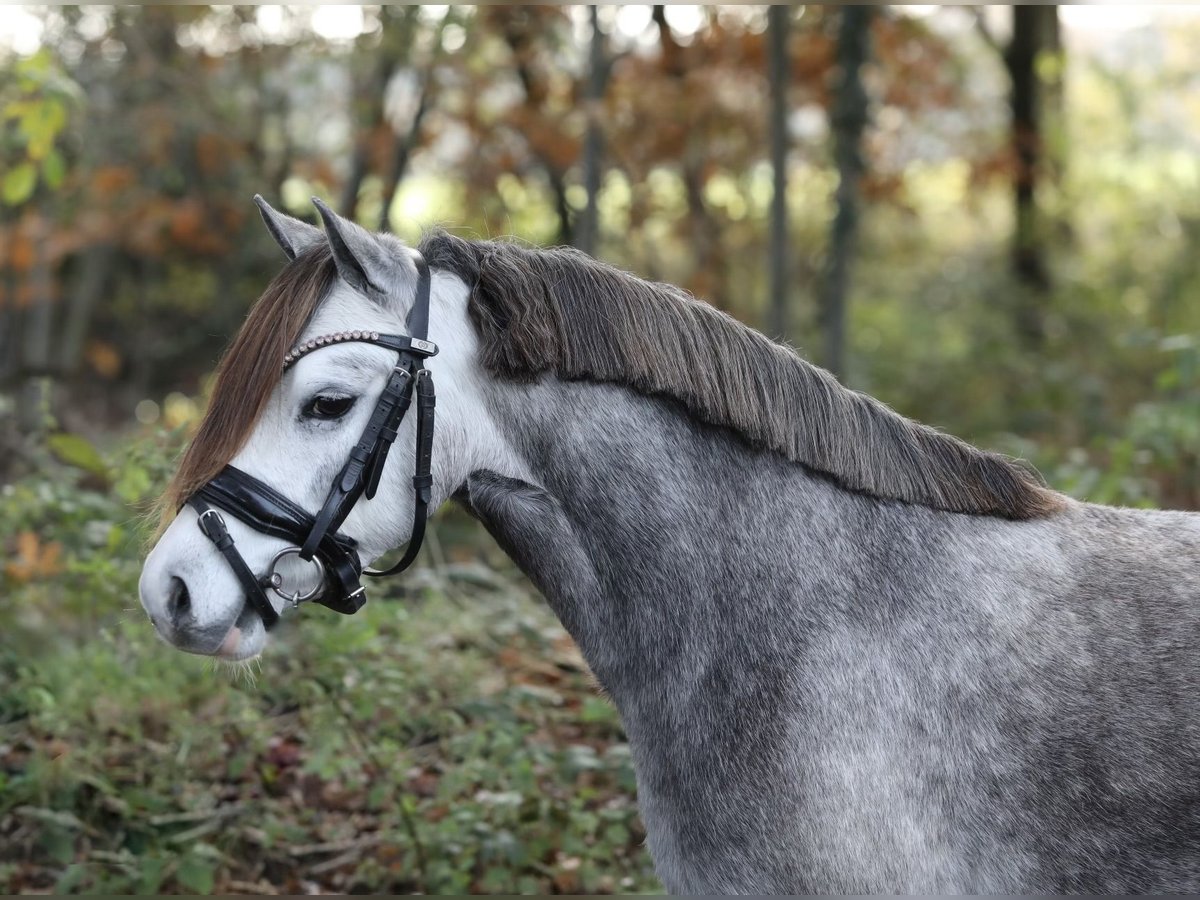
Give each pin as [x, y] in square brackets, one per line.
[1155, 460]
[35, 108]
[19, 183]
[449, 742]
[78, 452]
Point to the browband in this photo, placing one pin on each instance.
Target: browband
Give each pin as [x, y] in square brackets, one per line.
[400, 343]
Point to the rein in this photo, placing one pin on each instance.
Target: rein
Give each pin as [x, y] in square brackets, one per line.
[316, 538]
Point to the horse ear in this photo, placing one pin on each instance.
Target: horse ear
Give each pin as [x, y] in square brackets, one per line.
[375, 266]
[291, 234]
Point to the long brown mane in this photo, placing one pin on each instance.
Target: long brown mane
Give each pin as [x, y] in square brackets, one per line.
[562, 312]
[250, 369]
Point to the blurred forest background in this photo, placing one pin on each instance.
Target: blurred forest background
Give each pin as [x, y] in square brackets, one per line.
[988, 217]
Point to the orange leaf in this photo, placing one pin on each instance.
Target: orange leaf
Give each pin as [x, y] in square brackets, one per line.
[110, 180]
[103, 357]
[33, 559]
[20, 254]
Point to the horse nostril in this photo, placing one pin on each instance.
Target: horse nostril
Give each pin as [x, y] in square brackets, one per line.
[179, 601]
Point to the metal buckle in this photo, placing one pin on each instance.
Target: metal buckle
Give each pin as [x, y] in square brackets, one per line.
[427, 347]
[275, 580]
[210, 512]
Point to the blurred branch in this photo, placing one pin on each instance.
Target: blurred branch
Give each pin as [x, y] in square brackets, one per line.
[407, 143]
[250, 887]
[518, 42]
[403, 152]
[357, 843]
[984, 30]
[391, 57]
[199, 815]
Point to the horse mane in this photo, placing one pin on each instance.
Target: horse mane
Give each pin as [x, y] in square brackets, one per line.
[249, 370]
[560, 311]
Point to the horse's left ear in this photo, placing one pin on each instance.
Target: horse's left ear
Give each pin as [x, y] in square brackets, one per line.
[292, 235]
[377, 266]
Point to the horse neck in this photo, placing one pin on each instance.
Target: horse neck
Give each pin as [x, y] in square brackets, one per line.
[657, 539]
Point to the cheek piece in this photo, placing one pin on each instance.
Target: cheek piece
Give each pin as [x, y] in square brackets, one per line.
[316, 538]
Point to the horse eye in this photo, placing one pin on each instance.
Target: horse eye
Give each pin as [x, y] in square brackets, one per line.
[321, 407]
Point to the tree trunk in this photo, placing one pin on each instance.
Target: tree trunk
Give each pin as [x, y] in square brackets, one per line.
[1034, 28]
[704, 232]
[10, 316]
[374, 91]
[1053, 105]
[777, 66]
[400, 158]
[90, 284]
[588, 226]
[33, 402]
[848, 120]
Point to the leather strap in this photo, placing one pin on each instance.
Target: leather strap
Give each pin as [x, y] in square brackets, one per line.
[398, 343]
[423, 479]
[350, 483]
[418, 316]
[257, 504]
[213, 528]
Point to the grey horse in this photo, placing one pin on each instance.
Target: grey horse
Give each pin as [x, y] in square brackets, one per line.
[852, 654]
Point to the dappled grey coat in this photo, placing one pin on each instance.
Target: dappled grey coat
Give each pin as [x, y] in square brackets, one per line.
[852, 654]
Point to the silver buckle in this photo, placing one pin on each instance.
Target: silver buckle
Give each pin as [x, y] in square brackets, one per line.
[210, 512]
[275, 580]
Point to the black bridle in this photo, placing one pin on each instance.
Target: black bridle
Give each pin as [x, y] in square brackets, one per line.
[316, 538]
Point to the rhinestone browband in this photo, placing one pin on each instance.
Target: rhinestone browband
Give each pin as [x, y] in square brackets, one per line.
[325, 340]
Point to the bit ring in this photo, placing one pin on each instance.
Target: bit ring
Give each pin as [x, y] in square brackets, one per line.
[275, 580]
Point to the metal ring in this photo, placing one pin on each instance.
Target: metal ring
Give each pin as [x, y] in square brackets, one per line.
[274, 579]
